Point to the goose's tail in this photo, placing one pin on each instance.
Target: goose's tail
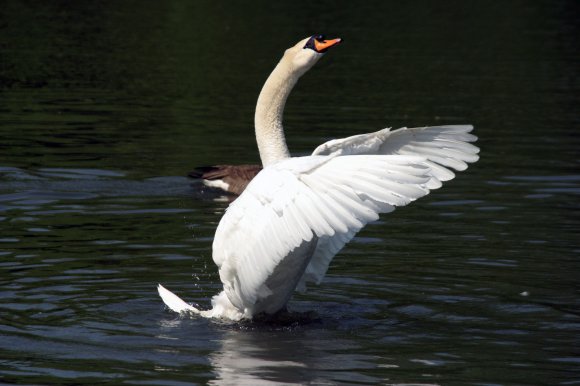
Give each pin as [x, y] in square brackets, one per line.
[174, 302]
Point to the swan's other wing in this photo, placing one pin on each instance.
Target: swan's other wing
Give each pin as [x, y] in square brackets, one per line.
[445, 147]
[294, 201]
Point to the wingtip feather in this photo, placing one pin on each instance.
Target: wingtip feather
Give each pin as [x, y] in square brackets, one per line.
[174, 302]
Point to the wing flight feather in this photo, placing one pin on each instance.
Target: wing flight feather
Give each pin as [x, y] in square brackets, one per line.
[289, 203]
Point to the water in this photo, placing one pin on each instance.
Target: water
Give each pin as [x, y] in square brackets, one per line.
[104, 107]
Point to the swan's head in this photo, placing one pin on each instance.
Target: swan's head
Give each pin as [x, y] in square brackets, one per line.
[308, 51]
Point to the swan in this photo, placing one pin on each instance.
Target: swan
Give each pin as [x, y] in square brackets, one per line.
[297, 213]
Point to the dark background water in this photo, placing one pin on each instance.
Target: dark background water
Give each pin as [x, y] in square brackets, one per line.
[105, 105]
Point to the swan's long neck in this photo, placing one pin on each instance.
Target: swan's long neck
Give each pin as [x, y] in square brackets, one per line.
[269, 112]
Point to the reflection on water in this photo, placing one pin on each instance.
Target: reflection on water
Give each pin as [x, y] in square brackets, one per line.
[270, 357]
[106, 107]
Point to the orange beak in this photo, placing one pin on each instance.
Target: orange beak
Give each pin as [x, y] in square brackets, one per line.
[322, 46]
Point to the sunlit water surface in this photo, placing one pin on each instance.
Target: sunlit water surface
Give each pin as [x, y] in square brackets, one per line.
[105, 109]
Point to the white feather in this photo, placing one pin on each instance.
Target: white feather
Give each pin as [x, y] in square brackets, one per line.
[443, 146]
[174, 302]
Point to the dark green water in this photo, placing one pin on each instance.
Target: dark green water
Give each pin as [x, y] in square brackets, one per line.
[105, 105]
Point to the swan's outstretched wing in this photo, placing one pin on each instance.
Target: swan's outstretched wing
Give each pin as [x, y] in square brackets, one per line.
[304, 200]
[445, 147]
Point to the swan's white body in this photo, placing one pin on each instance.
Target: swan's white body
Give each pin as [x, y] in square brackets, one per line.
[297, 213]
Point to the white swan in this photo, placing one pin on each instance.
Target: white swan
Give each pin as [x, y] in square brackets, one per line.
[297, 213]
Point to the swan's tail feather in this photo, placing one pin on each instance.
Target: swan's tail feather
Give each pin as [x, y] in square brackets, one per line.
[174, 302]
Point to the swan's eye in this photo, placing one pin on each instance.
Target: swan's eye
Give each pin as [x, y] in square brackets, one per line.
[313, 40]
[311, 43]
